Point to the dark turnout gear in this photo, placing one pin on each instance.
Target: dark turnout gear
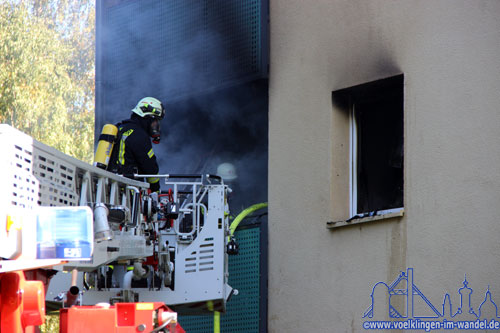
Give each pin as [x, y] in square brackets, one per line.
[134, 152]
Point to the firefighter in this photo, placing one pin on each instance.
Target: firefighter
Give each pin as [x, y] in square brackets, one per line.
[133, 153]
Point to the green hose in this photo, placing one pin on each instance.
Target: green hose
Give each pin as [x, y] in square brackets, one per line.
[232, 228]
[244, 214]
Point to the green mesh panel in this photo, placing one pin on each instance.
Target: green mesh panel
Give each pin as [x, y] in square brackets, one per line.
[178, 48]
[242, 313]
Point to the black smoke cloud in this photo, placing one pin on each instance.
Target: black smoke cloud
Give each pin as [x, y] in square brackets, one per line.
[216, 108]
[226, 126]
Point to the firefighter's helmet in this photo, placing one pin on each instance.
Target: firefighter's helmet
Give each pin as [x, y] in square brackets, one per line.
[149, 107]
[227, 171]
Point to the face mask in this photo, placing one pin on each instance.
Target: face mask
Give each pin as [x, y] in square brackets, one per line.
[154, 131]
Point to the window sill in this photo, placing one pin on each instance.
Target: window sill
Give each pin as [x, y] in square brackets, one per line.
[384, 216]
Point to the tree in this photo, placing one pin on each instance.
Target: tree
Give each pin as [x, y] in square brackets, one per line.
[47, 72]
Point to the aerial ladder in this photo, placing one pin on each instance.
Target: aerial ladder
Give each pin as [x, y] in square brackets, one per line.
[133, 253]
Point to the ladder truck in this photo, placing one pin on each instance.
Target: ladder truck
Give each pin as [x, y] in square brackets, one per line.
[129, 255]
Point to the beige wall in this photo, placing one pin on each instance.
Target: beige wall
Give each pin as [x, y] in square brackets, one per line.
[449, 52]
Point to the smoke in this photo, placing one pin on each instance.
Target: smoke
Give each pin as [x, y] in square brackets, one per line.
[227, 126]
[196, 61]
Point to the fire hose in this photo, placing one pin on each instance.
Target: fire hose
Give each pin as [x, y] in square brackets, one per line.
[232, 228]
[244, 213]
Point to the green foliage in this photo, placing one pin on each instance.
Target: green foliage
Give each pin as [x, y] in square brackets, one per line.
[51, 324]
[47, 77]
[47, 72]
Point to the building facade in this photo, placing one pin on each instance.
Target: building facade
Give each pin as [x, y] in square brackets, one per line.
[348, 79]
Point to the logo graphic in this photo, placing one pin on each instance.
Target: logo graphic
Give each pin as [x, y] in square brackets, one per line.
[404, 303]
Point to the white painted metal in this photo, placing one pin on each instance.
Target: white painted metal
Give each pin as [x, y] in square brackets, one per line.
[34, 174]
[201, 263]
[353, 163]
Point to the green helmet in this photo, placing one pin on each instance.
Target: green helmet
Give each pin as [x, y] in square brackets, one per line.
[149, 107]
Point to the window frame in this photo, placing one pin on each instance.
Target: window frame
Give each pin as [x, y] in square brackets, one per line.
[353, 161]
[353, 168]
[356, 95]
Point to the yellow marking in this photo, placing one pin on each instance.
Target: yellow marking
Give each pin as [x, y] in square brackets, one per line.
[9, 222]
[151, 153]
[152, 180]
[13, 224]
[121, 157]
[145, 306]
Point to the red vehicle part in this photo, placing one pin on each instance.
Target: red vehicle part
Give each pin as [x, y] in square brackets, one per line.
[170, 198]
[22, 303]
[152, 261]
[119, 318]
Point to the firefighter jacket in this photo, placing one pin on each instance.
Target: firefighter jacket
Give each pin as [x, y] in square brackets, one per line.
[134, 152]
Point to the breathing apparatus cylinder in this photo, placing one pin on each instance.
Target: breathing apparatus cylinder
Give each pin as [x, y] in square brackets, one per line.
[105, 146]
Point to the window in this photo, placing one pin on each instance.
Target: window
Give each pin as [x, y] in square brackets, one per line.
[376, 146]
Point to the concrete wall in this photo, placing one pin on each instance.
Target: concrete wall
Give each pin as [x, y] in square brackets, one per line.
[449, 52]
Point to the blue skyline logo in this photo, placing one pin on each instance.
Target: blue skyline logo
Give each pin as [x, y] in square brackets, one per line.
[402, 299]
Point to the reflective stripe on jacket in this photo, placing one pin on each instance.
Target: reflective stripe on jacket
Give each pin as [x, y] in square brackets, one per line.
[135, 153]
